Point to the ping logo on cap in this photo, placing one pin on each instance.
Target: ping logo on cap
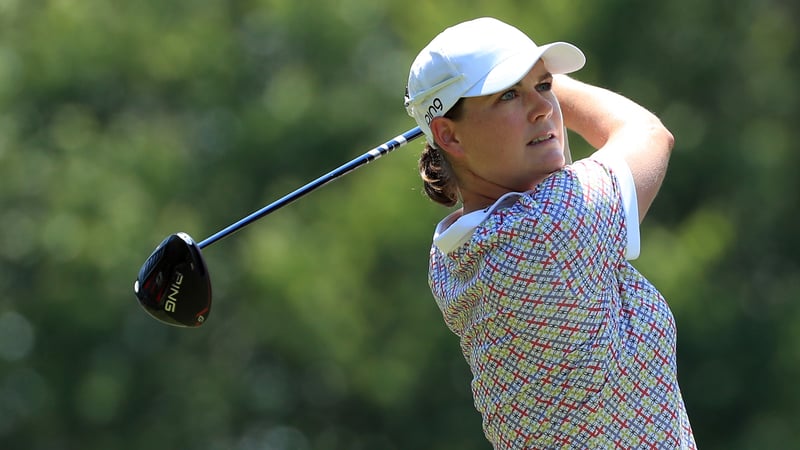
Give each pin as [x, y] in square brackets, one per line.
[434, 110]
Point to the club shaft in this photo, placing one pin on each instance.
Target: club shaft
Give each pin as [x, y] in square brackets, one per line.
[367, 157]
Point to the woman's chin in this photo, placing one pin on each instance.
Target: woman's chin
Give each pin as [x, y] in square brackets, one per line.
[554, 161]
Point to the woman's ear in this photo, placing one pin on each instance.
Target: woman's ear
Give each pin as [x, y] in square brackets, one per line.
[444, 134]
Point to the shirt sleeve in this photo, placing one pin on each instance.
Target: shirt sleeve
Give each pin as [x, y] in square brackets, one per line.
[627, 188]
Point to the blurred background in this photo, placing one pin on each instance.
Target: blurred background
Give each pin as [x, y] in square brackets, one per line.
[123, 122]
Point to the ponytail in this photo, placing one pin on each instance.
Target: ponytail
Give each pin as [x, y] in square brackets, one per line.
[437, 176]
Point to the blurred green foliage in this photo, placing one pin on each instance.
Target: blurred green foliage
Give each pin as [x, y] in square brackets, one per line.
[123, 122]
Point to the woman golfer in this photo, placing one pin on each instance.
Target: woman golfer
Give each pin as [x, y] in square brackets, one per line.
[569, 346]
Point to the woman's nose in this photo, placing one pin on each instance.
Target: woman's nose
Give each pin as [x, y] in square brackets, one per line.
[540, 106]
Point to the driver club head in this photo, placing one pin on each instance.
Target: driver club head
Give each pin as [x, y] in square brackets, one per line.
[173, 285]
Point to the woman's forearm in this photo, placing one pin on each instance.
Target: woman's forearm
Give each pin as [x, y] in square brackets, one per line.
[612, 123]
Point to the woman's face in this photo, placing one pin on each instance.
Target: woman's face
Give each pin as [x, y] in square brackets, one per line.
[511, 140]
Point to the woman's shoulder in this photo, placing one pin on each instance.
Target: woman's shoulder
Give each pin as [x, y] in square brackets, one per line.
[457, 228]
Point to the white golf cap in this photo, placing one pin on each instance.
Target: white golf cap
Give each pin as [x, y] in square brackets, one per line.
[478, 57]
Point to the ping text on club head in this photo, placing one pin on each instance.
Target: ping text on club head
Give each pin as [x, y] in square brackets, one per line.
[171, 304]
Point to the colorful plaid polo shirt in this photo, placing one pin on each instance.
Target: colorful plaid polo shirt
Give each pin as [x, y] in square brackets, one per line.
[568, 344]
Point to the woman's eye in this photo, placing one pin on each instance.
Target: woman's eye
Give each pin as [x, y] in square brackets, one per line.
[509, 95]
[544, 87]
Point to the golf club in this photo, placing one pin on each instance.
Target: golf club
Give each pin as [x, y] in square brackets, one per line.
[173, 284]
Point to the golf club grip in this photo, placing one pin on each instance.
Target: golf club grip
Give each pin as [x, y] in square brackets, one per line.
[367, 157]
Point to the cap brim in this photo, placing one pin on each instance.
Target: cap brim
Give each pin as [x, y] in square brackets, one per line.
[558, 57]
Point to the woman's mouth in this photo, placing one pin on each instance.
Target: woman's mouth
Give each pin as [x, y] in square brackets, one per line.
[543, 138]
